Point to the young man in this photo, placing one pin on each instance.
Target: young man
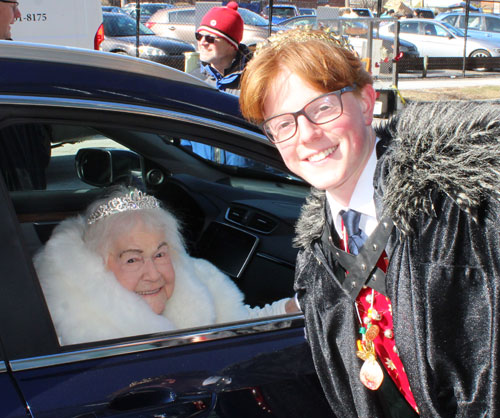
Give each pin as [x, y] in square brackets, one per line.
[9, 12]
[398, 271]
[222, 55]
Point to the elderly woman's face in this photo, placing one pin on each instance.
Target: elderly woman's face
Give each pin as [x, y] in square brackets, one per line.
[141, 262]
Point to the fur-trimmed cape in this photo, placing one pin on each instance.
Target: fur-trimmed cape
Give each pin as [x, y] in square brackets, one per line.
[443, 147]
[438, 178]
[87, 303]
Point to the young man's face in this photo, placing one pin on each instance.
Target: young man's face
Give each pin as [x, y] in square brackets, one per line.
[212, 53]
[8, 14]
[331, 156]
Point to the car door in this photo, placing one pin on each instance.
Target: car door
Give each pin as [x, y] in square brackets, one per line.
[439, 42]
[181, 25]
[431, 39]
[248, 369]
[492, 23]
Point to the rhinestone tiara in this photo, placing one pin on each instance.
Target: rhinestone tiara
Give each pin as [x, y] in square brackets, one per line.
[303, 34]
[134, 200]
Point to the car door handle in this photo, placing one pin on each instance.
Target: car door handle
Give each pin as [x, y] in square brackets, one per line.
[161, 401]
[172, 28]
[142, 397]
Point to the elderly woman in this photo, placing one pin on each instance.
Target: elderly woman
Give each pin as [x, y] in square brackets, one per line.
[123, 270]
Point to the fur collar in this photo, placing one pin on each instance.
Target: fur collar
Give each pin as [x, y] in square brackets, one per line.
[443, 147]
[88, 304]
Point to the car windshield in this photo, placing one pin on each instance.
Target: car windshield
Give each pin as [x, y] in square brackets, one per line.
[121, 25]
[251, 18]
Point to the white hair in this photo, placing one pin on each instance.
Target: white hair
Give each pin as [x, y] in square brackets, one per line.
[100, 236]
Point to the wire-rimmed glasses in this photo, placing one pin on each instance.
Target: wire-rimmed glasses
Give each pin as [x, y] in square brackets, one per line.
[322, 109]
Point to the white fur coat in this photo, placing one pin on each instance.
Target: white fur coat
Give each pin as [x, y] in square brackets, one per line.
[87, 303]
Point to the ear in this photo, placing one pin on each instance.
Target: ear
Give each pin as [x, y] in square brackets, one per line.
[367, 101]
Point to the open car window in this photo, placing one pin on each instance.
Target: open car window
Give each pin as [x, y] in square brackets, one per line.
[235, 212]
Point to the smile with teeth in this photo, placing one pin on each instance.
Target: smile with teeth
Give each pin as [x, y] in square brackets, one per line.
[323, 154]
[149, 292]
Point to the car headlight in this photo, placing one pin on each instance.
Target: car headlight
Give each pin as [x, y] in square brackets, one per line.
[151, 51]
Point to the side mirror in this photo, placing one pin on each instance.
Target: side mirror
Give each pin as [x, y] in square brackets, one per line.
[105, 167]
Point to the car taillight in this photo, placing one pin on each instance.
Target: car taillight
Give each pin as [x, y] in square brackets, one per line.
[149, 24]
[99, 37]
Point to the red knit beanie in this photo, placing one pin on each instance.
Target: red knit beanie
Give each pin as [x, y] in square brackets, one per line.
[225, 22]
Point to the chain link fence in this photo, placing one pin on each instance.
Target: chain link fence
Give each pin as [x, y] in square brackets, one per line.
[379, 42]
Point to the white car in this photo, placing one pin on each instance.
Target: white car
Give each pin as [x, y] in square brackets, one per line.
[439, 39]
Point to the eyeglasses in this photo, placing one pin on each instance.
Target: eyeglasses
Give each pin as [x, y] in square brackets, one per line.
[209, 38]
[16, 3]
[322, 109]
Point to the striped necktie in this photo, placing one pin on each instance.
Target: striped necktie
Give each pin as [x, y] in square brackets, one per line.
[355, 236]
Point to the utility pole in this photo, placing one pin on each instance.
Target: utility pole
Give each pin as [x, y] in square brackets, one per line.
[137, 27]
[467, 8]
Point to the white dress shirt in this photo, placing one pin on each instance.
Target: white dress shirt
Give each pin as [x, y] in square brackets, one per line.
[361, 200]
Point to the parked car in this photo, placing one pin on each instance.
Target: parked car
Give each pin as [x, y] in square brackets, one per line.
[179, 23]
[120, 38]
[478, 22]
[362, 12]
[147, 9]
[104, 106]
[461, 7]
[113, 9]
[352, 28]
[434, 38]
[306, 11]
[424, 13]
[281, 12]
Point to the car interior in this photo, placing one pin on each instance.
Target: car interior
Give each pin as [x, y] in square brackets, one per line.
[236, 212]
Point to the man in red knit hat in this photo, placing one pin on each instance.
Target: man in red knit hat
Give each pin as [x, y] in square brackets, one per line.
[222, 55]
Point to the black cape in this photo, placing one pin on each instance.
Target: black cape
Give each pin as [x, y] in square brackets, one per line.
[438, 179]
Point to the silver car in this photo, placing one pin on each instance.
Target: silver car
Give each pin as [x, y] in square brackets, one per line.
[180, 23]
[434, 38]
[484, 25]
[485, 22]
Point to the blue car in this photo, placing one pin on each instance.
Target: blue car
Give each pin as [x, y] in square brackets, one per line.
[281, 12]
[74, 123]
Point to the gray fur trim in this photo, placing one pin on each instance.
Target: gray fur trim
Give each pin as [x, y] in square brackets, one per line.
[445, 147]
[312, 218]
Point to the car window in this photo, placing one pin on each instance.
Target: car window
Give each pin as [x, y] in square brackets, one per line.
[492, 24]
[475, 22]
[69, 165]
[61, 172]
[251, 18]
[121, 25]
[430, 29]
[226, 158]
[182, 16]
[408, 27]
[452, 20]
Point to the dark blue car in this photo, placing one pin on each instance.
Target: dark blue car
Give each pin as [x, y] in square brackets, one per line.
[128, 118]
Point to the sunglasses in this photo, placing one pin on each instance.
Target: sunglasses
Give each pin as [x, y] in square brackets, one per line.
[209, 38]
